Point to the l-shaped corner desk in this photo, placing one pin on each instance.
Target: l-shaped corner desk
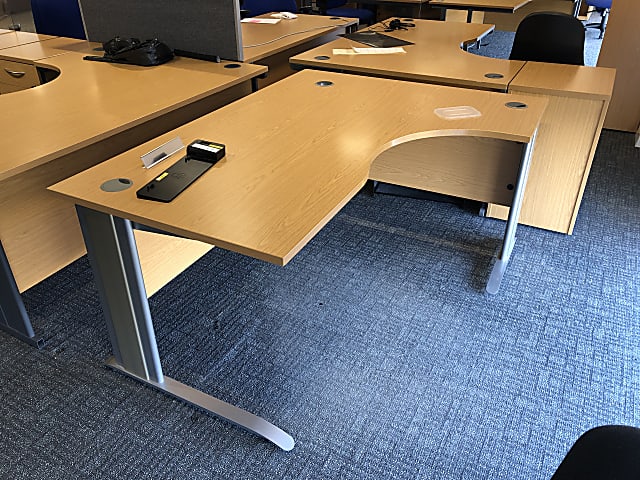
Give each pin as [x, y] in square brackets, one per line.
[90, 112]
[268, 197]
[569, 132]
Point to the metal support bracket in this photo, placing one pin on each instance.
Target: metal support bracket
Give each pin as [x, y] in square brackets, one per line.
[13, 316]
[509, 239]
[113, 255]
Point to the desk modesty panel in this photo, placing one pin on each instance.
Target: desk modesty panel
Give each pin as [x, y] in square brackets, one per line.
[268, 197]
[436, 56]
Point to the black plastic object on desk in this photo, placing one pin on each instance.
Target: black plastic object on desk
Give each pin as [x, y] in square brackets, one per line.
[201, 156]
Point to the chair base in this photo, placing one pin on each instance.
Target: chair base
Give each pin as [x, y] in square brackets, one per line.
[610, 451]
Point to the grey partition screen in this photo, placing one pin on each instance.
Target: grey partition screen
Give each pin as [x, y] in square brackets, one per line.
[200, 28]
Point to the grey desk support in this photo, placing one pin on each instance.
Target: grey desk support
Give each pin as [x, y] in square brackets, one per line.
[113, 255]
[509, 240]
[13, 316]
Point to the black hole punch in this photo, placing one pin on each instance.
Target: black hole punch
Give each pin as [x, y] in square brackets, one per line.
[493, 75]
[510, 186]
[125, 181]
[516, 105]
[322, 57]
[335, 18]
[324, 83]
[232, 65]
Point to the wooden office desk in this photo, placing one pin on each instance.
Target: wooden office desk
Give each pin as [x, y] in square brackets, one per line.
[436, 57]
[13, 39]
[479, 6]
[89, 113]
[567, 140]
[270, 195]
[34, 51]
[272, 44]
[579, 97]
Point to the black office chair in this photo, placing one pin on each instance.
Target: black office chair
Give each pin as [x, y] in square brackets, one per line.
[258, 7]
[339, 8]
[551, 37]
[602, 7]
[607, 452]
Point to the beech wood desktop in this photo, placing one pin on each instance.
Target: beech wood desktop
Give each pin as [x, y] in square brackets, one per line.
[579, 97]
[269, 196]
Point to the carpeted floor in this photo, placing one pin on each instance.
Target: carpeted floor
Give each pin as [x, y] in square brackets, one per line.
[376, 348]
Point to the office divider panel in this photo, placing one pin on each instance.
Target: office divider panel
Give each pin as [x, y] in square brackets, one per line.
[199, 28]
[58, 17]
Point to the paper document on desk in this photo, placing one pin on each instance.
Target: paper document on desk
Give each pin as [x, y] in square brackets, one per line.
[260, 20]
[367, 51]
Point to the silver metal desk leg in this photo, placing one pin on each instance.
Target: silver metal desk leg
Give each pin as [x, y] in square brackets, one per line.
[113, 255]
[495, 279]
[13, 316]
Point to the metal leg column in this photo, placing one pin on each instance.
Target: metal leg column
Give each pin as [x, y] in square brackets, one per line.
[495, 279]
[114, 259]
[13, 316]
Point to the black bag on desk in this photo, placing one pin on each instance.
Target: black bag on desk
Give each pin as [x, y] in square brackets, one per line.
[132, 51]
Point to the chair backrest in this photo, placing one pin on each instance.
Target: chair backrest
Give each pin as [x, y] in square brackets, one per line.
[549, 37]
[258, 7]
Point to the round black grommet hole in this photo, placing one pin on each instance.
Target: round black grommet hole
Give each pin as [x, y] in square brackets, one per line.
[335, 18]
[116, 185]
[232, 65]
[324, 83]
[510, 186]
[322, 57]
[493, 75]
[516, 105]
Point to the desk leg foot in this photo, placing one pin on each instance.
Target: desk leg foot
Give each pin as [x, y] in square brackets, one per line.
[13, 316]
[495, 279]
[113, 255]
[217, 407]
